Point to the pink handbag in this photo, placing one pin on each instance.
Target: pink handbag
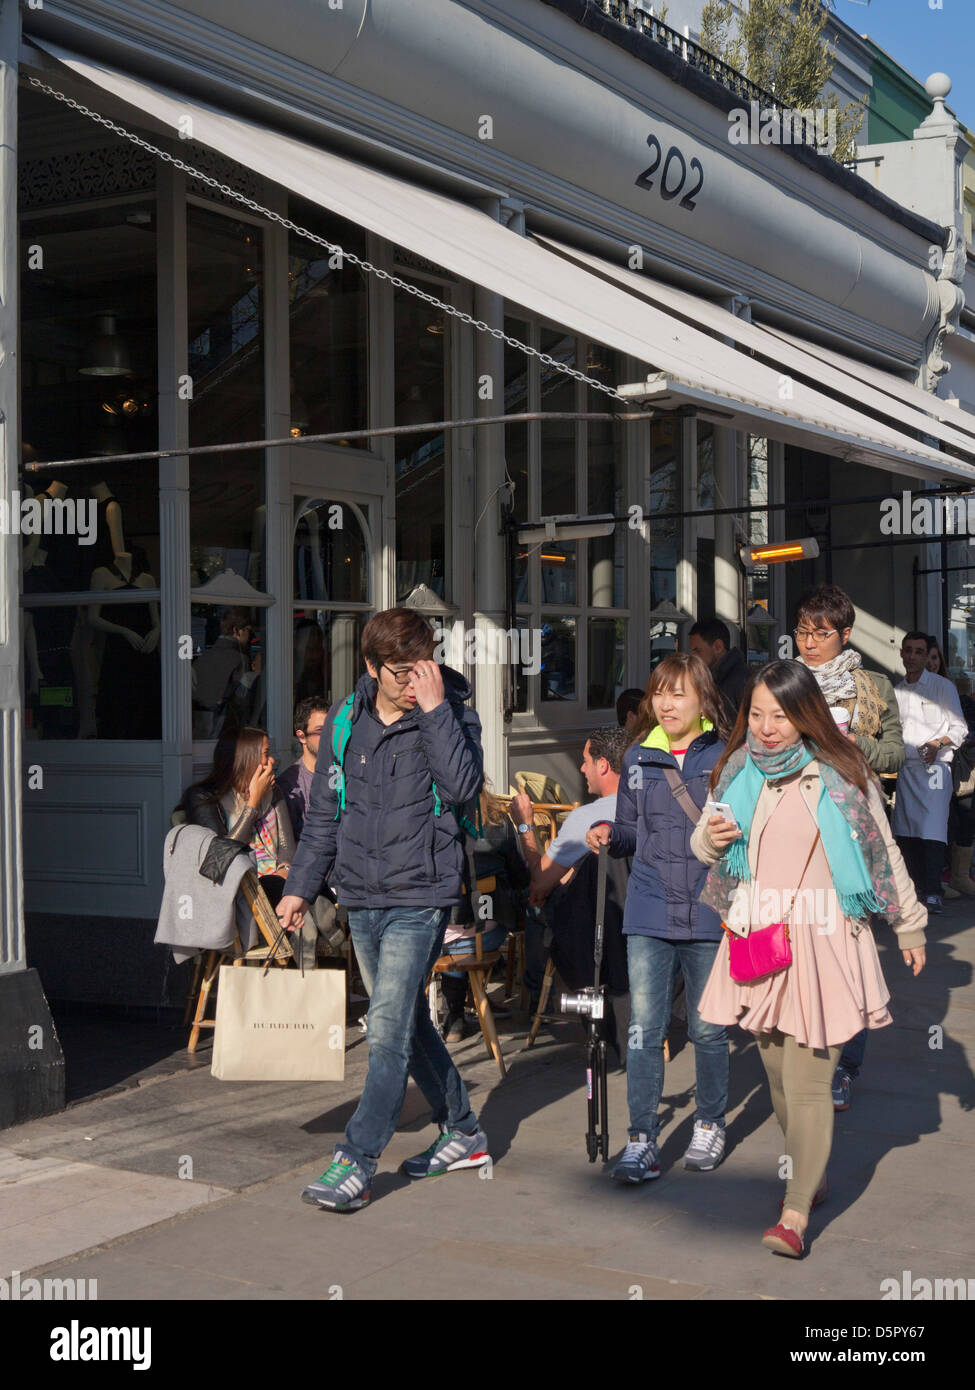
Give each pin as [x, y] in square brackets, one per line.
[768, 950]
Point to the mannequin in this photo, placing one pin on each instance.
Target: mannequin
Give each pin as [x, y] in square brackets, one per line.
[109, 540]
[51, 658]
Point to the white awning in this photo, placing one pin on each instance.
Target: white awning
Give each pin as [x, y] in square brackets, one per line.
[692, 366]
[858, 381]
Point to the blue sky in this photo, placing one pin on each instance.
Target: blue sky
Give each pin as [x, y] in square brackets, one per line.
[924, 40]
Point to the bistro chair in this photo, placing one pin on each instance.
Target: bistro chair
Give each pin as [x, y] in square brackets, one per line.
[476, 966]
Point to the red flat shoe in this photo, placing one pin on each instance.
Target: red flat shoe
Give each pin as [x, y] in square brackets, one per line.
[817, 1201]
[782, 1240]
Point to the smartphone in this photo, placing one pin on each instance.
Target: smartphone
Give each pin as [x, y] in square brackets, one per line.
[722, 809]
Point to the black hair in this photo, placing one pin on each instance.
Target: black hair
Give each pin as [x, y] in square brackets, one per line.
[710, 630]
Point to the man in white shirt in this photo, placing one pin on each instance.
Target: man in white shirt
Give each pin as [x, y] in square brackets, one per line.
[934, 727]
[602, 759]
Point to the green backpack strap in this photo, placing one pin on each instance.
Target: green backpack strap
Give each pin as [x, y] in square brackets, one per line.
[341, 732]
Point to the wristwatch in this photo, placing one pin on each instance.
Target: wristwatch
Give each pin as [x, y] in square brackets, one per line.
[523, 828]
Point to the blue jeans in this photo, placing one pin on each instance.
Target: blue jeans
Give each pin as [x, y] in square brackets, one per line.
[851, 1058]
[396, 948]
[491, 940]
[653, 963]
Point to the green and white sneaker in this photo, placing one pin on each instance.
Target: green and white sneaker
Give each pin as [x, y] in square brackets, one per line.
[449, 1151]
[342, 1187]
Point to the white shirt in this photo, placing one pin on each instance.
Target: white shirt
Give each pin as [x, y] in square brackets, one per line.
[930, 709]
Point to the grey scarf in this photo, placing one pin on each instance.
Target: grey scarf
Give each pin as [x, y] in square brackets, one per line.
[835, 678]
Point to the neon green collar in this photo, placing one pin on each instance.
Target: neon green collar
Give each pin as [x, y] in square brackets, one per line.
[656, 738]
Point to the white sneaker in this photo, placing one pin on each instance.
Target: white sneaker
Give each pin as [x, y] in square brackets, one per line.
[706, 1149]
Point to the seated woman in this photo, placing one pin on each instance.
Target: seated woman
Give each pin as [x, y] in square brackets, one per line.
[238, 798]
[496, 854]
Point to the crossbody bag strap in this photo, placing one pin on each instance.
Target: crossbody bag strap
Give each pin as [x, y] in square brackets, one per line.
[805, 866]
[682, 796]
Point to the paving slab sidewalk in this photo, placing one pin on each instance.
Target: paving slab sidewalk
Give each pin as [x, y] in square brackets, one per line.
[187, 1188]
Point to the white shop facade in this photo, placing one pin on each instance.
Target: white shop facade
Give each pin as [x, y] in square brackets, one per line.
[782, 317]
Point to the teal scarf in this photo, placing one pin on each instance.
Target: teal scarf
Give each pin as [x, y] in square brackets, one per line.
[858, 861]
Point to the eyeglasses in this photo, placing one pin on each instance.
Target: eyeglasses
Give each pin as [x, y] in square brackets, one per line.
[821, 634]
[402, 676]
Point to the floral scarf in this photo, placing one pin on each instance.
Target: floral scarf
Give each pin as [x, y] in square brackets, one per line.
[265, 839]
[855, 850]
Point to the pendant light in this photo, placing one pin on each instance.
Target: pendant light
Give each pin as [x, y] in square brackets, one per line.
[106, 353]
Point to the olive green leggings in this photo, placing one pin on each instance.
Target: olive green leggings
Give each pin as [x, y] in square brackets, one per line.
[801, 1079]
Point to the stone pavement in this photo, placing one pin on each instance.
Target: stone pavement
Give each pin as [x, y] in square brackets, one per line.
[179, 1186]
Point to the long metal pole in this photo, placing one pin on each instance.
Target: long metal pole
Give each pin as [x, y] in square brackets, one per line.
[336, 438]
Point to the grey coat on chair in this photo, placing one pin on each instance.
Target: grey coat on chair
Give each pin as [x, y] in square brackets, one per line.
[197, 914]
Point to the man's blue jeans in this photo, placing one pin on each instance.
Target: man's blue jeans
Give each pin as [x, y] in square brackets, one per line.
[851, 1058]
[653, 963]
[396, 948]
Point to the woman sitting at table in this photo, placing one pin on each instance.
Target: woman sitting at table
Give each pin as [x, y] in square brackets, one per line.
[238, 798]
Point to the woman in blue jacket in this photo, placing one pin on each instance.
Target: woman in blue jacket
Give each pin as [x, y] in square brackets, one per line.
[677, 732]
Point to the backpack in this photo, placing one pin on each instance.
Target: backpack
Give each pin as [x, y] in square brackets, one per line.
[468, 815]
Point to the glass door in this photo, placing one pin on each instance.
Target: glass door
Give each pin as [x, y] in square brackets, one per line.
[333, 593]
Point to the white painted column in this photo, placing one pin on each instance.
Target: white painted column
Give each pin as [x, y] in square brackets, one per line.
[12, 953]
[279, 534]
[489, 557]
[727, 493]
[174, 488]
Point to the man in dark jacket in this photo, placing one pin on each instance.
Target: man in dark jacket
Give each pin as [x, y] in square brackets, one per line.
[710, 639]
[382, 828]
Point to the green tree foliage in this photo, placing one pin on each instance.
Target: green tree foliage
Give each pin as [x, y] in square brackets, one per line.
[781, 46]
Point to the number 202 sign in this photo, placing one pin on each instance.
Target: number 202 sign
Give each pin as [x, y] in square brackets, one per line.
[673, 176]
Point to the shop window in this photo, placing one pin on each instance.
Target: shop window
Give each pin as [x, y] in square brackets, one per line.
[228, 675]
[567, 468]
[226, 367]
[421, 346]
[88, 387]
[326, 646]
[757, 583]
[328, 318]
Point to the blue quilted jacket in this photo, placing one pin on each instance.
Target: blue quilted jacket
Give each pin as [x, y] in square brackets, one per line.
[389, 849]
[666, 878]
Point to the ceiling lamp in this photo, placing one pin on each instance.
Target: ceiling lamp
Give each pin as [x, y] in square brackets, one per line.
[106, 354]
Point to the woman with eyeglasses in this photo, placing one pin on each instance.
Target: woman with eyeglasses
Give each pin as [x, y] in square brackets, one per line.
[864, 706]
[863, 702]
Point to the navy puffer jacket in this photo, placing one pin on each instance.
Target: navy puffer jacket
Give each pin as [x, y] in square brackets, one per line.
[389, 849]
[666, 879]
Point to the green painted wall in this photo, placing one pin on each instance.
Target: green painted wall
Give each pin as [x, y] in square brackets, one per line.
[898, 102]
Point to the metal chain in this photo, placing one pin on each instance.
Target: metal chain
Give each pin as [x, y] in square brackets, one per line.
[333, 248]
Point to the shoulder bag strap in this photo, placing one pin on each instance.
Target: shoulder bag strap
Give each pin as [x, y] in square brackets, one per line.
[682, 796]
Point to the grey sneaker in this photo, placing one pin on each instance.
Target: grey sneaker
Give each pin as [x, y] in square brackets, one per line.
[842, 1089]
[706, 1149]
[342, 1187]
[448, 1152]
[639, 1161]
[933, 904]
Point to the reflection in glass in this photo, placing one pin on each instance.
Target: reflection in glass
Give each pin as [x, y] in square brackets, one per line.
[558, 437]
[328, 314]
[421, 343]
[331, 558]
[558, 678]
[664, 497]
[516, 369]
[92, 671]
[228, 678]
[327, 660]
[607, 661]
[557, 562]
[225, 308]
[607, 554]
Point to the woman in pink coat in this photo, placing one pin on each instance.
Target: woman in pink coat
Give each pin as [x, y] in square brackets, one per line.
[810, 846]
